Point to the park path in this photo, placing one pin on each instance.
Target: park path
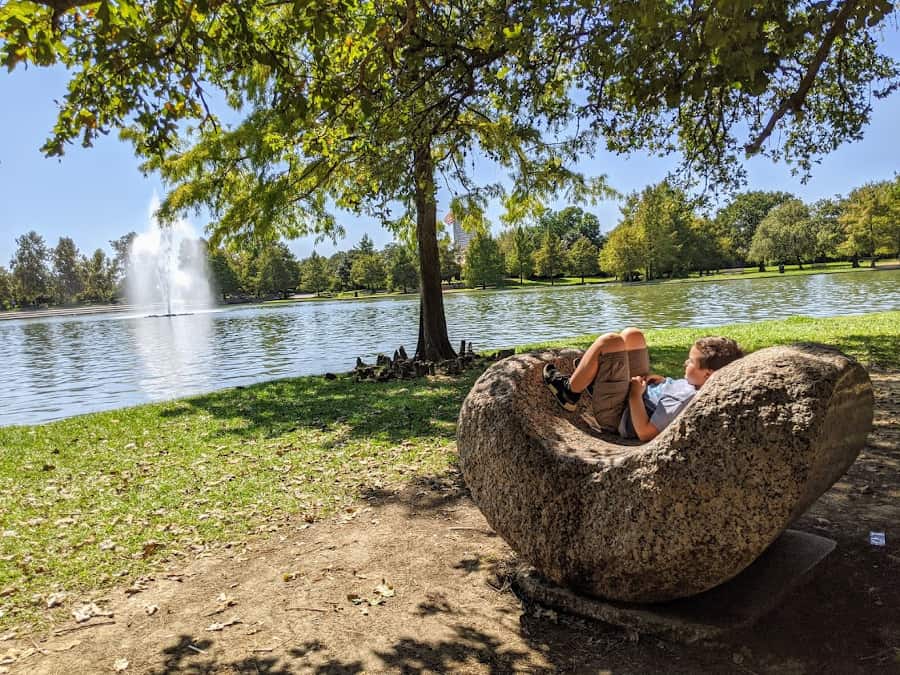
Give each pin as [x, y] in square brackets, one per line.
[415, 581]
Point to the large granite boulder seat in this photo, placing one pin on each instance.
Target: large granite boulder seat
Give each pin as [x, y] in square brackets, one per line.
[689, 510]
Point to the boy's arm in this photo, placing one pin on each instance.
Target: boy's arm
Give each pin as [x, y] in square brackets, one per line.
[642, 427]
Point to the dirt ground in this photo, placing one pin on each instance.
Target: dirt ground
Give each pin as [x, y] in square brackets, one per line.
[415, 581]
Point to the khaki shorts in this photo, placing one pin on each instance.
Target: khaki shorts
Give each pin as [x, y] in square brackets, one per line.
[614, 373]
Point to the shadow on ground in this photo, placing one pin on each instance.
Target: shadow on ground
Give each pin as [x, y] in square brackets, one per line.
[394, 410]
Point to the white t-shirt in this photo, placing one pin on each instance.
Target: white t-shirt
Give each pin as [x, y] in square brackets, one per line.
[662, 401]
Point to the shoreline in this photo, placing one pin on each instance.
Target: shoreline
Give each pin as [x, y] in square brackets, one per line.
[87, 310]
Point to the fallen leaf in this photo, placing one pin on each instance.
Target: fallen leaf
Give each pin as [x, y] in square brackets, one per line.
[150, 548]
[88, 610]
[120, 665]
[137, 587]
[219, 626]
[384, 589]
[355, 599]
[151, 609]
[107, 544]
[56, 599]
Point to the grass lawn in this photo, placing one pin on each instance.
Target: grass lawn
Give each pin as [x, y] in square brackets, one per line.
[97, 500]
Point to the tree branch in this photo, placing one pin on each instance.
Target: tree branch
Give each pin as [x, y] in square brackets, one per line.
[796, 100]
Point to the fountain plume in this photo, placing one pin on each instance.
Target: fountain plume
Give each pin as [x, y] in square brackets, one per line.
[167, 269]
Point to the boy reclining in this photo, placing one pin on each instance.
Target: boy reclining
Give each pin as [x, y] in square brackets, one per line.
[627, 398]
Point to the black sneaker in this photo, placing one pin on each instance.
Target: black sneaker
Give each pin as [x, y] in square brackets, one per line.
[559, 384]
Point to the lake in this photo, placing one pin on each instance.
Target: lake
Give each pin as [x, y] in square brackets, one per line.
[62, 366]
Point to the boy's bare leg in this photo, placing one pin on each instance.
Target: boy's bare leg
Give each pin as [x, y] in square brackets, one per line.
[638, 356]
[587, 368]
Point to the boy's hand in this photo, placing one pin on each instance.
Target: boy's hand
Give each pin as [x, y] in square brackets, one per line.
[638, 385]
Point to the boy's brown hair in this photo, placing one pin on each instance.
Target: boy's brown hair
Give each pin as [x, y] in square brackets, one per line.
[717, 352]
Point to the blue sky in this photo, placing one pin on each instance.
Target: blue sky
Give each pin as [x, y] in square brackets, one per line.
[94, 195]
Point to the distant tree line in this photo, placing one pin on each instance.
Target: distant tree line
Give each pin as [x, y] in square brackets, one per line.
[664, 233]
[274, 270]
[42, 275]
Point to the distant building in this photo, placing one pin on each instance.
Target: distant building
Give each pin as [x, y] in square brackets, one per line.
[461, 238]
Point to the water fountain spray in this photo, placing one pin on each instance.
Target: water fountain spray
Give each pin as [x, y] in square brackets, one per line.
[167, 269]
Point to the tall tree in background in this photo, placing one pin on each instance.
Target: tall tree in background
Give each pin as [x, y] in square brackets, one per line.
[31, 276]
[400, 265]
[222, 272]
[583, 258]
[550, 257]
[784, 235]
[448, 255]
[365, 246]
[484, 262]
[368, 272]
[278, 271]
[315, 274]
[66, 273]
[742, 215]
[365, 103]
[572, 223]
[664, 214]
[99, 278]
[121, 258]
[704, 248]
[623, 253]
[341, 265]
[871, 217]
[517, 244]
[7, 289]
[825, 220]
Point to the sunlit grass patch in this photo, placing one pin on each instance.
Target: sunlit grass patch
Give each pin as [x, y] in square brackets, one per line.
[92, 500]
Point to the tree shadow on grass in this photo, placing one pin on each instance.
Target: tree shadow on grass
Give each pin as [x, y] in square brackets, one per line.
[873, 351]
[393, 410]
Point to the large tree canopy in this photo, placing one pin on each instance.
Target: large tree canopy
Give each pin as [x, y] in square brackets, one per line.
[365, 105]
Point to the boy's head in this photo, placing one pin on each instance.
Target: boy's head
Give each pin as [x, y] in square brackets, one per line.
[707, 355]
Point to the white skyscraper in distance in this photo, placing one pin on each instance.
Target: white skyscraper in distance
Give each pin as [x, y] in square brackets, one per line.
[460, 237]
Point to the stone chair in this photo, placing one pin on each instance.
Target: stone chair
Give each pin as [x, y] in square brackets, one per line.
[758, 444]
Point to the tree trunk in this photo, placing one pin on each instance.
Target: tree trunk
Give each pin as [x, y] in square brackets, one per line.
[433, 343]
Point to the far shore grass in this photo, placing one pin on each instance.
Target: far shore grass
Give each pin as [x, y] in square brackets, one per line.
[98, 500]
